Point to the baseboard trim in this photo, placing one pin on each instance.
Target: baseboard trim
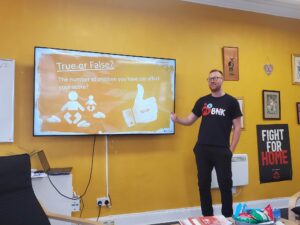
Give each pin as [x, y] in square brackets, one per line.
[169, 215]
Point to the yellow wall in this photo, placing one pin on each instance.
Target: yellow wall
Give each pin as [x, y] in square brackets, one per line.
[154, 172]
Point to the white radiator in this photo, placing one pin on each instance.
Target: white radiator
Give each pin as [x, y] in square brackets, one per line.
[239, 171]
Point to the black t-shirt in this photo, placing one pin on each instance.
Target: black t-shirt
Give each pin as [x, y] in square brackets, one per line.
[217, 115]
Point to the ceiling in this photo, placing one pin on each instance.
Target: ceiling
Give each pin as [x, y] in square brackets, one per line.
[284, 8]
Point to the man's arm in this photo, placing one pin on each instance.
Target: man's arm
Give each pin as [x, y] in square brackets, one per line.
[236, 133]
[187, 121]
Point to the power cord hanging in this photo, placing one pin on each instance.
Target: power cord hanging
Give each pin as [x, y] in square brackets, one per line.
[89, 181]
[99, 212]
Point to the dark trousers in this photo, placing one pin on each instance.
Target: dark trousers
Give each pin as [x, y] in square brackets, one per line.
[207, 158]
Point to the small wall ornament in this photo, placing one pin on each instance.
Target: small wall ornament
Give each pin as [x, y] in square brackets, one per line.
[231, 63]
[268, 67]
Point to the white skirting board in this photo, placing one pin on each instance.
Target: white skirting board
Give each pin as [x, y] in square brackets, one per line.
[164, 216]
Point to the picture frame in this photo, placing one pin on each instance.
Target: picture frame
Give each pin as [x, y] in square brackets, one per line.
[296, 68]
[298, 111]
[241, 103]
[271, 105]
[231, 63]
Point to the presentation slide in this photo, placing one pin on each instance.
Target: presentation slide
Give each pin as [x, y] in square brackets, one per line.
[88, 93]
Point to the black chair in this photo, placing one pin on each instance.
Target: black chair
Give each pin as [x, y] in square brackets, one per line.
[18, 203]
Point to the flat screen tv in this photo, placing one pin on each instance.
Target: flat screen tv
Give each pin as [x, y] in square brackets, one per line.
[91, 93]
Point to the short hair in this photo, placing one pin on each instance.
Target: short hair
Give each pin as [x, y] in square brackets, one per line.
[216, 70]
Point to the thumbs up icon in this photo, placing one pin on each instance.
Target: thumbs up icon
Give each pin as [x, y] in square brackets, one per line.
[143, 111]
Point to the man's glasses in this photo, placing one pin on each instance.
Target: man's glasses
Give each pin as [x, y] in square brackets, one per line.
[210, 79]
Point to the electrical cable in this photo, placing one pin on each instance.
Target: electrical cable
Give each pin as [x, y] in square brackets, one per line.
[89, 181]
[99, 212]
[91, 169]
[106, 164]
[80, 197]
[110, 201]
[63, 195]
[81, 206]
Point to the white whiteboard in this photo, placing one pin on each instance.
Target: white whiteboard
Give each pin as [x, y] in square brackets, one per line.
[7, 90]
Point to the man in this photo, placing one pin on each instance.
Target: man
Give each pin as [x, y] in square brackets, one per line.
[220, 113]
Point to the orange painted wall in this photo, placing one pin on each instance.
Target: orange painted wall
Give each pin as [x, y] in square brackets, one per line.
[154, 172]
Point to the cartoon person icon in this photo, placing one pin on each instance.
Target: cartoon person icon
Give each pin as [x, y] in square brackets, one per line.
[91, 104]
[72, 106]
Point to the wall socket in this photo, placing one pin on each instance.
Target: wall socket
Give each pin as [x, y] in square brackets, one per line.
[76, 205]
[104, 201]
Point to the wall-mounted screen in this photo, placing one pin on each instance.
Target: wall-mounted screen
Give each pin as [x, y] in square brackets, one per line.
[90, 93]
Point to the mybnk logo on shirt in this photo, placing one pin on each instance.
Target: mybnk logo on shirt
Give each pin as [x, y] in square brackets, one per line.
[209, 109]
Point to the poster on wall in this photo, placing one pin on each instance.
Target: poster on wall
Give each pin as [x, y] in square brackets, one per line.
[275, 163]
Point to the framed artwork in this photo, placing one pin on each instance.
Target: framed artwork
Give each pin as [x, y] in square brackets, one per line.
[231, 63]
[298, 111]
[296, 69]
[241, 103]
[271, 105]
